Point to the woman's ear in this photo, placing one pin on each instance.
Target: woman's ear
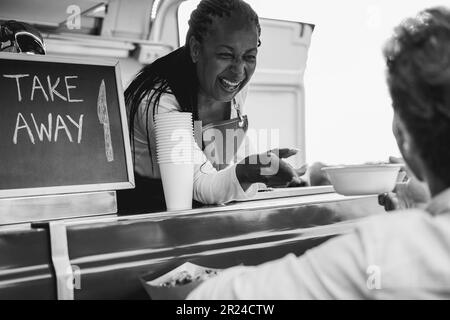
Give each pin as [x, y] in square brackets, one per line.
[194, 46]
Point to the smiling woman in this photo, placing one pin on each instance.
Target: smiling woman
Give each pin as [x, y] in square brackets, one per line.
[206, 77]
[226, 59]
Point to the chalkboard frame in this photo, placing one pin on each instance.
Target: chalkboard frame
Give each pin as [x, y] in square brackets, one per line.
[68, 189]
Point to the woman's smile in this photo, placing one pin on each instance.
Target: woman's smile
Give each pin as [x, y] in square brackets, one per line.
[226, 57]
[229, 85]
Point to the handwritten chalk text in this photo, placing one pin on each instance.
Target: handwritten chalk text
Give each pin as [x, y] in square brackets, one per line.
[40, 131]
[48, 89]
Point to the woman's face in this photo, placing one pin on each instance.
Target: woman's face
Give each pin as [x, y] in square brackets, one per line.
[226, 58]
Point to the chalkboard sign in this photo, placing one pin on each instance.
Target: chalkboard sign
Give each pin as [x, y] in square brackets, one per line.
[63, 126]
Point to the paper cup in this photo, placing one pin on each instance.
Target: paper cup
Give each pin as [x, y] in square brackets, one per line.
[175, 157]
[174, 123]
[172, 143]
[169, 146]
[179, 161]
[172, 137]
[172, 127]
[182, 141]
[165, 121]
[173, 115]
[172, 120]
[175, 134]
[174, 151]
[176, 129]
[175, 154]
[174, 140]
[178, 185]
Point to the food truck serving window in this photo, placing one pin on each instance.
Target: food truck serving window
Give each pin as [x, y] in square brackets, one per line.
[63, 127]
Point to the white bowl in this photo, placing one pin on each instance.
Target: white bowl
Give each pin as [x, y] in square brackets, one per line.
[363, 179]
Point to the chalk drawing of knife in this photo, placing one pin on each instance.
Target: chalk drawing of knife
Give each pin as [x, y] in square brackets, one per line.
[102, 111]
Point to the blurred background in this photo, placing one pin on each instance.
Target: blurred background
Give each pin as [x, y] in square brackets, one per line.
[325, 92]
[347, 105]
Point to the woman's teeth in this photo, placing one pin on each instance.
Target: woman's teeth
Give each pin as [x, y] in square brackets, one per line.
[229, 84]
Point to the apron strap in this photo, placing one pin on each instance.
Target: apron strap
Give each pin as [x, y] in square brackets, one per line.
[198, 133]
[239, 114]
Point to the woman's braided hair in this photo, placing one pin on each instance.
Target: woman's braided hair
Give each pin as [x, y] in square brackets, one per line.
[418, 72]
[202, 17]
[175, 73]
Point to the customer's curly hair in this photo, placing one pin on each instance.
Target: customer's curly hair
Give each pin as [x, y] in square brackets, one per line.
[418, 73]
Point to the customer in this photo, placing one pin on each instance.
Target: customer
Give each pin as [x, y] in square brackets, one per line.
[207, 77]
[396, 256]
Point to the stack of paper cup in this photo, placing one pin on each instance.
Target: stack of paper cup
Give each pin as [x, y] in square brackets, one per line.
[174, 148]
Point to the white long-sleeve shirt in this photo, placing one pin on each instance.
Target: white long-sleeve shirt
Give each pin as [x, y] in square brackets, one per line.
[210, 186]
[403, 255]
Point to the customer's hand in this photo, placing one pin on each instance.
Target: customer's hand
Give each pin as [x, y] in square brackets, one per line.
[302, 180]
[269, 168]
[409, 192]
[316, 176]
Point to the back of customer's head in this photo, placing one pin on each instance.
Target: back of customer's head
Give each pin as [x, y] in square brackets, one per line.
[418, 72]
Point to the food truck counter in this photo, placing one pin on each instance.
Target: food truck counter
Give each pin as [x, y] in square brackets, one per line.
[107, 256]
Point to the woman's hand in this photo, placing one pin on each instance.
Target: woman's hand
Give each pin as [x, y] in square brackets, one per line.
[269, 168]
[410, 194]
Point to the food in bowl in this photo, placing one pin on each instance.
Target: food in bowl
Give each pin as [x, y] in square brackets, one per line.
[186, 277]
[177, 283]
[363, 179]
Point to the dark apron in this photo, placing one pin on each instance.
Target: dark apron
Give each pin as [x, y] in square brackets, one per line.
[220, 142]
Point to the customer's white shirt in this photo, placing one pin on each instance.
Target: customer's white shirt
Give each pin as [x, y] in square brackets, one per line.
[210, 186]
[402, 255]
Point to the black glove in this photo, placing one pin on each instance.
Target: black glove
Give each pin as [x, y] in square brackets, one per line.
[269, 168]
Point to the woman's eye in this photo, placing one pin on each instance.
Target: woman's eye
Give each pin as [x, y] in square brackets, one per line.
[250, 58]
[226, 55]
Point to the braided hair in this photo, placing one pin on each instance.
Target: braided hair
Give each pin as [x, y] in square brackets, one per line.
[202, 17]
[418, 72]
[175, 73]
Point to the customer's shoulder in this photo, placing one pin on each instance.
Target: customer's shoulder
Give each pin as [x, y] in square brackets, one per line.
[399, 224]
[396, 218]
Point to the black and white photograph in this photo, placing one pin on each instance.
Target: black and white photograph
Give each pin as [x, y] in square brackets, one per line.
[210, 151]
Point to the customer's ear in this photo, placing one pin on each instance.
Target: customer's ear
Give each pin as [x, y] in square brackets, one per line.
[194, 47]
[401, 135]
[407, 148]
[406, 145]
[404, 139]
